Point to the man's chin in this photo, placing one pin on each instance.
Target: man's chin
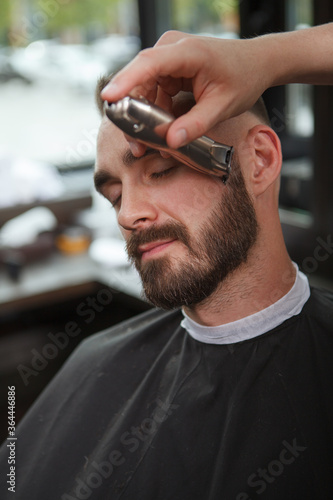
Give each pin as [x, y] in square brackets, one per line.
[160, 280]
[171, 290]
[162, 300]
[156, 268]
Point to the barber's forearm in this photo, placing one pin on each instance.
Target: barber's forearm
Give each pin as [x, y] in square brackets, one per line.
[302, 56]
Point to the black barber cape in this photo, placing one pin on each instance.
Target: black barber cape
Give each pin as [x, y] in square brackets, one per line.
[145, 412]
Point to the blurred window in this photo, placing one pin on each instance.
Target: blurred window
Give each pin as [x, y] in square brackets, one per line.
[207, 17]
[51, 54]
[299, 99]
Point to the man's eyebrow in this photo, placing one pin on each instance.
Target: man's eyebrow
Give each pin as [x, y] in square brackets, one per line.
[102, 177]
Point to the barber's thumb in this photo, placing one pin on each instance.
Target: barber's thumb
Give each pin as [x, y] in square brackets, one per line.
[178, 138]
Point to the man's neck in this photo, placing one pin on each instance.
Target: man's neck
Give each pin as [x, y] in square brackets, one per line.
[252, 287]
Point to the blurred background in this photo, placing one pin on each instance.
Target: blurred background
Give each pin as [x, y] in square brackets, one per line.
[63, 269]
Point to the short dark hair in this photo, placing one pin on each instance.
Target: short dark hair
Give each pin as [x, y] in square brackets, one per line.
[101, 83]
[258, 109]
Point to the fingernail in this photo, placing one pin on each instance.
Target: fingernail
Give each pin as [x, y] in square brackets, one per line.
[180, 137]
[110, 88]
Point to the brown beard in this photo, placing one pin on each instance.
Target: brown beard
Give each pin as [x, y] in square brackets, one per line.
[222, 244]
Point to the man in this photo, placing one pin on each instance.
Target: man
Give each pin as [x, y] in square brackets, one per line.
[204, 229]
[228, 395]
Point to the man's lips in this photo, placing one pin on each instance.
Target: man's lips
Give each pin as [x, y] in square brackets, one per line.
[154, 247]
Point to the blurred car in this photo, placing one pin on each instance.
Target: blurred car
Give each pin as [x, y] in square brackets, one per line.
[74, 65]
[116, 50]
[7, 70]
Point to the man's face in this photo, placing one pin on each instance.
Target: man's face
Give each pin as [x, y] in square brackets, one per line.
[185, 231]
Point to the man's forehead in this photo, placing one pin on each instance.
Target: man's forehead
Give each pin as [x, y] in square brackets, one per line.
[111, 140]
[107, 128]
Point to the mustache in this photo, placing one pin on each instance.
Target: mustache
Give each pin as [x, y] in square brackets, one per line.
[170, 230]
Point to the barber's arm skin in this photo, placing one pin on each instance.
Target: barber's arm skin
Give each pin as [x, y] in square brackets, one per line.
[226, 76]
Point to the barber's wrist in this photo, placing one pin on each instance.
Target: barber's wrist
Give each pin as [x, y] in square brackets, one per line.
[300, 56]
[270, 66]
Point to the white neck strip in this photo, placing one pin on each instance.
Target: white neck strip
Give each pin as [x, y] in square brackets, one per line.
[256, 324]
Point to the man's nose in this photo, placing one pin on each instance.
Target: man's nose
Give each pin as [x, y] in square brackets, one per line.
[137, 210]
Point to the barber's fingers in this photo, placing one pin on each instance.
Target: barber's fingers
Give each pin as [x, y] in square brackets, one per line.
[144, 72]
[172, 36]
[164, 100]
[195, 123]
[138, 149]
[142, 75]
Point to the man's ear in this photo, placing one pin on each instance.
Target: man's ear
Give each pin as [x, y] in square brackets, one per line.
[262, 148]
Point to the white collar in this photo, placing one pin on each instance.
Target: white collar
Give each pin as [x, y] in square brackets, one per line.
[256, 324]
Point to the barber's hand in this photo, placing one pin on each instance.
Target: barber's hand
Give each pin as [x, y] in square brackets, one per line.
[225, 76]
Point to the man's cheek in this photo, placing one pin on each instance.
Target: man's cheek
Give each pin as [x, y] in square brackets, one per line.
[125, 234]
[195, 203]
[198, 193]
